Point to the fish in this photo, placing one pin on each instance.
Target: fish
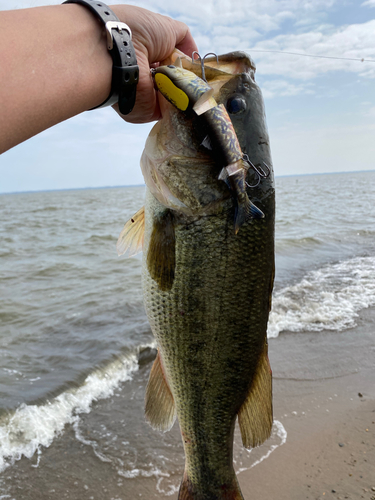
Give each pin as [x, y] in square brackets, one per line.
[207, 289]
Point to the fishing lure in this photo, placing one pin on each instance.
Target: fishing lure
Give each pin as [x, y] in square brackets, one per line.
[191, 94]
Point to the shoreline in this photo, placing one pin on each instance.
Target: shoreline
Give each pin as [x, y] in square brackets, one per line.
[328, 413]
[329, 451]
[330, 447]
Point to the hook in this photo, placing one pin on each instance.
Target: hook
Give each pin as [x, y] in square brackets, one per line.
[212, 54]
[202, 64]
[202, 61]
[262, 173]
[258, 169]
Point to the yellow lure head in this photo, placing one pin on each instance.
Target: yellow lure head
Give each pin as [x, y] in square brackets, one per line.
[171, 92]
[179, 86]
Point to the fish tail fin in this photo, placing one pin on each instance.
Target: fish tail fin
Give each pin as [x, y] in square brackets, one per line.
[244, 211]
[224, 491]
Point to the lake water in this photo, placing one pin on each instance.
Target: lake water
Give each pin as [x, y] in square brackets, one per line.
[75, 344]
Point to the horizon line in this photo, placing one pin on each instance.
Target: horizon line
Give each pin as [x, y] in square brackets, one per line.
[144, 185]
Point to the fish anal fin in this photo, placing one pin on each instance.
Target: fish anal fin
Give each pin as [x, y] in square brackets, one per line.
[160, 409]
[161, 251]
[130, 241]
[226, 491]
[255, 416]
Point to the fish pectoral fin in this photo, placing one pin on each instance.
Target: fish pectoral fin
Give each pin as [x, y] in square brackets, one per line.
[160, 410]
[161, 251]
[255, 416]
[130, 241]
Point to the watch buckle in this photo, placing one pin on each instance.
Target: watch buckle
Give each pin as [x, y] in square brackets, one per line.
[110, 25]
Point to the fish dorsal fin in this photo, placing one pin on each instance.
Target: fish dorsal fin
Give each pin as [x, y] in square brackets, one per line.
[255, 415]
[130, 241]
[161, 251]
[160, 409]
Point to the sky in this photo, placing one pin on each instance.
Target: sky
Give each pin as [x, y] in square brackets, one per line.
[320, 110]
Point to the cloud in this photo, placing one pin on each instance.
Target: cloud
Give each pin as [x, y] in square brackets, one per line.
[226, 25]
[265, 16]
[353, 42]
[99, 149]
[277, 88]
[369, 111]
[299, 149]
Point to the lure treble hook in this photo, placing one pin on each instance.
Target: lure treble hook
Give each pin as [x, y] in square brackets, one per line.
[258, 169]
[202, 61]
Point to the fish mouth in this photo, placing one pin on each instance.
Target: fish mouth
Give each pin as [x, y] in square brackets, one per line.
[218, 69]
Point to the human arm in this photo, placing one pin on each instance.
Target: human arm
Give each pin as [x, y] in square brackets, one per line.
[54, 64]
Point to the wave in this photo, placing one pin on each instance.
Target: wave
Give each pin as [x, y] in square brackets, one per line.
[326, 299]
[243, 459]
[97, 238]
[50, 208]
[284, 244]
[31, 427]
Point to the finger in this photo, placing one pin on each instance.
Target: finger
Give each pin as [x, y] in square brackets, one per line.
[187, 45]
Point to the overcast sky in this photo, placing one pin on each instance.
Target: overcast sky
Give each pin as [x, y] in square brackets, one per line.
[320, 111]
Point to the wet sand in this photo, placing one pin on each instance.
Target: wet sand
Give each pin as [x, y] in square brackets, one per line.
[330, 447]
[324, 395]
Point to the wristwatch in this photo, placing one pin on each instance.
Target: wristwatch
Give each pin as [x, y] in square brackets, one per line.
[125, 71]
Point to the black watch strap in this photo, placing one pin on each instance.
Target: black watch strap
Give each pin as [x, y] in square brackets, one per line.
[125, 71]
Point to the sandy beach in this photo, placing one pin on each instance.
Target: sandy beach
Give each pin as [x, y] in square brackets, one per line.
[329, 418]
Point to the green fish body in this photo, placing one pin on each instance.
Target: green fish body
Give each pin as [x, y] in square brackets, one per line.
[207, 290]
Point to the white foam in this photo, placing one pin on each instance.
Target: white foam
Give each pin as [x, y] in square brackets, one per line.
[278, 432]
[242, 459]
[30, 427]
[172, 488]
[326, 299]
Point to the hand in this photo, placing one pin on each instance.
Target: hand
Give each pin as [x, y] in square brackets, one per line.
[154, 39]
[62, 66]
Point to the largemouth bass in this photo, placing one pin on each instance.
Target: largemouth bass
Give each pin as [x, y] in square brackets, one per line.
[207, 288]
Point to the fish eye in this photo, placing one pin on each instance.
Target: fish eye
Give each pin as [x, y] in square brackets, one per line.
[171, 66]
[236, 105]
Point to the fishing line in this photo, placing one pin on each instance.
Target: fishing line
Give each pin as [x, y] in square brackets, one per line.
[312, 55]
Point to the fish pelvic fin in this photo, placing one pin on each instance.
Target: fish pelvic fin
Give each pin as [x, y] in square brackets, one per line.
[225, 491]
[161, 258]
[160, 410]
[245, 210]
[131, 238]
[255, 416]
